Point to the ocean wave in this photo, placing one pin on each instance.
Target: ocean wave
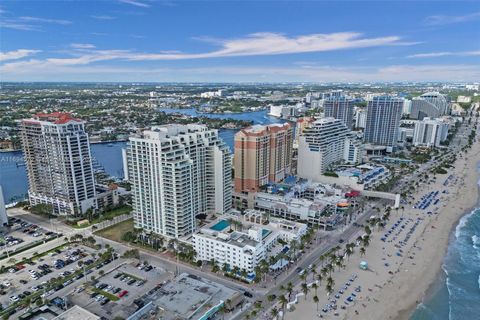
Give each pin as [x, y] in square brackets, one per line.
[476, 241]
[463, 221]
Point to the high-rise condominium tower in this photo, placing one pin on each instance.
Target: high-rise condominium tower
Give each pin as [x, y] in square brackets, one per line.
[339, 107]
[178, 172]
[322, 144]
[430, 132]
[58, 161]
[263, 154]
[383, 119]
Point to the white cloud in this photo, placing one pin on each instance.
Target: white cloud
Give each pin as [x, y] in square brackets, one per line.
[135, 3]
[103, 17]
[443, 20]
[253, 45]
[82, 46]
[274, 43]
[444, 54]
[17, 54]
[44, 20]
[10, 24]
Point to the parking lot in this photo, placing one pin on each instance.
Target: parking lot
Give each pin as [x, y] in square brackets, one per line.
[118, 292]
[21, 234]
[68, 262]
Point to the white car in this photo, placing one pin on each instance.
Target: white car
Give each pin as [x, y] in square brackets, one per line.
[14, 299]
[7, 283]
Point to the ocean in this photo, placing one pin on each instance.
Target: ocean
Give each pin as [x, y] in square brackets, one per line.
[456, 295]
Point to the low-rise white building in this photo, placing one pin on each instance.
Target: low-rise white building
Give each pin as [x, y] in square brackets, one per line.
[243, 242]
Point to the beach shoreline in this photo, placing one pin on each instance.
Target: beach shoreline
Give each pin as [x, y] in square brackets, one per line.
[429, 279]
[440, 275]
[401, 276]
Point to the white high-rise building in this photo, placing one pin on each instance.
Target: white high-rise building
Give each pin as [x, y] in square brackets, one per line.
[360, 119]
[320, 145]
[430, 132]
[429, 105]
[353, 151]
[3, 210]
[407, 106]
[58, 161]
[178, 172]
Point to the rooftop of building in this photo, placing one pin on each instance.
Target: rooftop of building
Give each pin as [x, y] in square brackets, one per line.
[192, 297]
[54, 117]
[75, 313]
[249, 229]
[259, 129]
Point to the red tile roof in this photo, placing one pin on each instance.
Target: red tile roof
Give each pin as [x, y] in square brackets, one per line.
[56, 117]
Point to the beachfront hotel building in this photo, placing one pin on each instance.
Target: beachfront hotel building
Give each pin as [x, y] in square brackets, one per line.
[429, 105]
[263, 154]
[322, 144]
[58, 162]
[430, 132]
[178, 172]
[341, 108]
[244, 241]
[383, 119]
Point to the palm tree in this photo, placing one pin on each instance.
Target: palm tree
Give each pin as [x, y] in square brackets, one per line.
[305, 290]
[270, 297]
[319, 278]
[362, 251]
[235, 270]
[315, 299]
[289, 289]
[322, 258]
[329, 289]
[243, 273]
[314, 271]
[274, 312]
[315, 287]
[366, 241]
[283, 301]
[303, 277]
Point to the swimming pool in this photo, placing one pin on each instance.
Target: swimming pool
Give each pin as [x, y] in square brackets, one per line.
[220, 225]
[265, 233]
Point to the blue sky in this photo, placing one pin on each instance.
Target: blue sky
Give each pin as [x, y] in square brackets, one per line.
[271, 41]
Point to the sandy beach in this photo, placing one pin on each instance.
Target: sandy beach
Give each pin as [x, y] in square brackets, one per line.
[402, 268]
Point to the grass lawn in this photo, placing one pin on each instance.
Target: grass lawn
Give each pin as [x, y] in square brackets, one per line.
[116, 231]
[108, 215]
